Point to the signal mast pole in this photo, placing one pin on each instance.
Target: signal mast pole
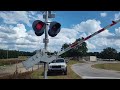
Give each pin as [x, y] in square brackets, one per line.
[47, 15]
[46, 43]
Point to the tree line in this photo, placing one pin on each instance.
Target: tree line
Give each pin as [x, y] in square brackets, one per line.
[13, 53]
[82, 50]
[107, 53]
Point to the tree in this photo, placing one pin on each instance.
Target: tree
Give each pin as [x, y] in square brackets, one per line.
[82, 49]
[109, 53]
[76, 52]
[64, 46]
[13, 54]
[97, 54]
[118, 56]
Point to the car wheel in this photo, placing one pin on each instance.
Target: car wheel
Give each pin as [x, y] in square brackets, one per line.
[65, 72]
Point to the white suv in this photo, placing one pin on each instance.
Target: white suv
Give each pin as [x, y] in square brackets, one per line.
[58, 65]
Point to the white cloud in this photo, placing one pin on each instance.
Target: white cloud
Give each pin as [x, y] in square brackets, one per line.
[117, 16]
[117, 43]
[90, 45]
[104, 14]
[106, 33]
[117, 31]
[88, 26]
[13, 17]
[3, 46]
[20, 30]
[19, 38]
[32, 12]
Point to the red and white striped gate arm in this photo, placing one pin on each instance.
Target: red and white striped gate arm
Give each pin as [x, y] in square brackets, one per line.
[76, 43]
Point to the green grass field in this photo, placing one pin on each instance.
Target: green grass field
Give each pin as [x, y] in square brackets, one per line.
[108, 66]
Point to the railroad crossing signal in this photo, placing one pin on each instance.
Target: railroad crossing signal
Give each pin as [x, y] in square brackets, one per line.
[54, 29]
[38, 26]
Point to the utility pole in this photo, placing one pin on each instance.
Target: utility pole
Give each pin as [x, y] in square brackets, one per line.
[47, 15]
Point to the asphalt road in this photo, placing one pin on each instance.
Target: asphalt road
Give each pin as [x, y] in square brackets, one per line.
[87, 72]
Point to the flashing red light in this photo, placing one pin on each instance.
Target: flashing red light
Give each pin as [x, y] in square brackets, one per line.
[39, 26]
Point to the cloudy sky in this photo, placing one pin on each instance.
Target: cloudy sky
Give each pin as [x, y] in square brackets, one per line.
[16, 31]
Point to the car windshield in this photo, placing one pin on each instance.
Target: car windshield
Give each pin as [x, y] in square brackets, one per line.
[58, 61]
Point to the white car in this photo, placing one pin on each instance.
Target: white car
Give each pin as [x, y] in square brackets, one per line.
[58, 65]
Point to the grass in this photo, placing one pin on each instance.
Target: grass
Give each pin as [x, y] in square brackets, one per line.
[108, 66]
[70, 74]
[26, 75]
[9, 62]
[38, 74]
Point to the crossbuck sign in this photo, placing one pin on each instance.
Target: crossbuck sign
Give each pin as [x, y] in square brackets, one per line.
[39, 56]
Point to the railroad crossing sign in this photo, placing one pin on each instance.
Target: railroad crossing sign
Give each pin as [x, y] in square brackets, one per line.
[41, 55]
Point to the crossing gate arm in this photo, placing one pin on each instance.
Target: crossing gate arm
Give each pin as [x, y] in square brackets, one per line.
[77, 43]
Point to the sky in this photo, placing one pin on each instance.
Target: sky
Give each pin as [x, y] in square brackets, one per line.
[16, 31]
